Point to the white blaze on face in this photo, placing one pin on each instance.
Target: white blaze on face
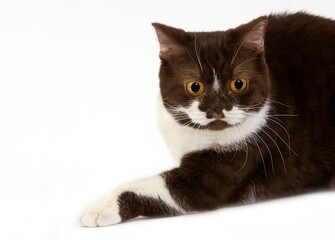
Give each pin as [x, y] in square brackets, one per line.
[216, 82]
[195, 114]
[232, 117]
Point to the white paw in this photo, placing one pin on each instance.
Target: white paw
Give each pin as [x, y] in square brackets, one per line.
[103, 213]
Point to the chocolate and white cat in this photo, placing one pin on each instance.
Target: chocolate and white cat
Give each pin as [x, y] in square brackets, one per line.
[248, 113]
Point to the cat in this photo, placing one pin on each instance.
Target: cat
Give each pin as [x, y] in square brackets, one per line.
[248, 114]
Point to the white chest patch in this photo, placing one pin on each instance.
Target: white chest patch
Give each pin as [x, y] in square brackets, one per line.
[183, 139]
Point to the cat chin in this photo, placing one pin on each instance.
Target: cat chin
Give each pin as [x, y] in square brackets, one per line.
[217, 125]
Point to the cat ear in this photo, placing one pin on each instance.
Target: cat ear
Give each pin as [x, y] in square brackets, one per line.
[254, 38]
[171, 40]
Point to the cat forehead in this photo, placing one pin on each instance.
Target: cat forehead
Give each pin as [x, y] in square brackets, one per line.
[209, 43]
[208, 39]
[214, 50]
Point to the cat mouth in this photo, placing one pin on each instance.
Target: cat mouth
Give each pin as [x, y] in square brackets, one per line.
[217, 125]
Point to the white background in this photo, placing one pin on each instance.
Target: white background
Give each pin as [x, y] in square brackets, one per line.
[78, 90]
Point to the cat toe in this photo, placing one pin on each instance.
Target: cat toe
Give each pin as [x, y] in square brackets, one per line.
[89, 218]
[100, 218]
[107, 217]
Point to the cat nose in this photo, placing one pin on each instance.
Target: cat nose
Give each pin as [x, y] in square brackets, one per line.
[215, 113]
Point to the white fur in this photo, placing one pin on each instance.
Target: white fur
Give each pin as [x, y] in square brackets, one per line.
[183, 139]
[216, 83]
[106, 211]
[234, 116]
[195, 115]
[103, 213]
[251, 196]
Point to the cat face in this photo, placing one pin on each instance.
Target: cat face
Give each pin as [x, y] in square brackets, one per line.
[213, 80]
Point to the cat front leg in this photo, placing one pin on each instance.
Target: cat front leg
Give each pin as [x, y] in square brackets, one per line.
[147, 197]
[204, 181]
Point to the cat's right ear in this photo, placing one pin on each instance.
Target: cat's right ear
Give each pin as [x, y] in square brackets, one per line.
[171, 40]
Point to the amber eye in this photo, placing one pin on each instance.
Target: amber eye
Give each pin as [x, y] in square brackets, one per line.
[238, 85]
[195, 88]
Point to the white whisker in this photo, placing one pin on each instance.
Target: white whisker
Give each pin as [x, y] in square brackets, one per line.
[249, 106]
[260, 152]
[239, 71]
[275, 115]
[195, 66]
[273, 101]
[288, 135]
[290, 149]
[246, 155]
[193, 72]
[283, 115]
[246, 62]
[197, 53]
[267, 147]
[237, 51]
[281, 155]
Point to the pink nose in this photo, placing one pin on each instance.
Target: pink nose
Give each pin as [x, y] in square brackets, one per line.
[216, 114]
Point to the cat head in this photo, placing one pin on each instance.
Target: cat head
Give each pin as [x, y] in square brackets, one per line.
[213, 80]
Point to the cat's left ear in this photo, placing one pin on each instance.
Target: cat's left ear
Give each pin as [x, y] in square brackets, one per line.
[254, 38]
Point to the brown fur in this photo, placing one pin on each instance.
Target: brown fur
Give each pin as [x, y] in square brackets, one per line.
[131, 205]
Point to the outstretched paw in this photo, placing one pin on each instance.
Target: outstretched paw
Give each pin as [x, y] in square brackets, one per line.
[146, 197]
[103, 213]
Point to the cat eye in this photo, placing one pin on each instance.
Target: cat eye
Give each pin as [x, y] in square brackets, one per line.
[195, 88]
[238, 85]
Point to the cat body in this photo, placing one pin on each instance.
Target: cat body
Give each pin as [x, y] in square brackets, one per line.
[247, 113]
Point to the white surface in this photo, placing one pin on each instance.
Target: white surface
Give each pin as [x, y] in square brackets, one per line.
[78, 85]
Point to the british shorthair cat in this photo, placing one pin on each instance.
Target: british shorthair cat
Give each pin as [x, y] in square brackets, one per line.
[248, 114]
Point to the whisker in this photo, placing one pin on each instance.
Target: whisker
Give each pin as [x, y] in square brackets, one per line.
[281, 155]
[175, 110]
[197, 129]
[246, 155]
[246, 62]
[187, 123]
[283, 115]
[288, 135]
[260, 152]
[257, 104]
[275, 115]
[196, 67]
[192, 72]
[170, 106]
[273, 101]
[271, 159]
[181, 119]
[290, 149]
[243, 70]
[246, 159]
[251, 108]
[237, 51]
[197, 53]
